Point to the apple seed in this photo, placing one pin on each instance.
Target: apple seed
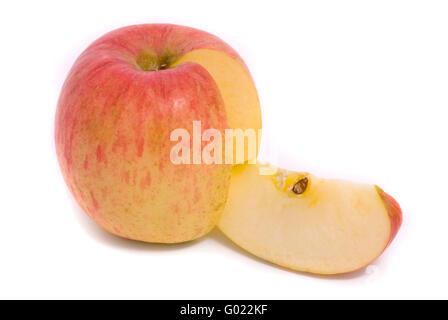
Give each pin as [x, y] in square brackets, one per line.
[300, 186]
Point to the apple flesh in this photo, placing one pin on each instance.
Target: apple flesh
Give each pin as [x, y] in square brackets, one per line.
[304, 223]
[238, 91]
[123, 97]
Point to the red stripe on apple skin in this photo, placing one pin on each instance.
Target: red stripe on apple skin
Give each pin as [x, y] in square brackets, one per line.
[394, 211]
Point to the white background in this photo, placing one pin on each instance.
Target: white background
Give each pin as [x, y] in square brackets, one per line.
[349, 89]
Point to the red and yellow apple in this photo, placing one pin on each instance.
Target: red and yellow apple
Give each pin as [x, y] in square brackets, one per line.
[305, 223]
[123, 97]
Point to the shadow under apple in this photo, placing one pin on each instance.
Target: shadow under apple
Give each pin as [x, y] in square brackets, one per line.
[108, 239]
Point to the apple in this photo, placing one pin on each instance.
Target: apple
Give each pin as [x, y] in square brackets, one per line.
[305, 223]
[123, 97]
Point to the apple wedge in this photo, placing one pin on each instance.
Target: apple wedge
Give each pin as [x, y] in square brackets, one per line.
[305, 223]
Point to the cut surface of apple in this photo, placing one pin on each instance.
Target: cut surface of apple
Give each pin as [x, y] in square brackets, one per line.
[237, 90]
[234, 83]
[304, 223]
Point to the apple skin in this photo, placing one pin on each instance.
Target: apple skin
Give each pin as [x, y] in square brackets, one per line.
[394, 211]
[112, 134]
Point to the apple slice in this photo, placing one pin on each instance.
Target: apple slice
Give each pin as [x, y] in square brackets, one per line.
[305, 223]
[237, 90]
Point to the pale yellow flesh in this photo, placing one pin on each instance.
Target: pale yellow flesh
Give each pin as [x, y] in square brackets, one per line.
[334, 227]
[236, 87]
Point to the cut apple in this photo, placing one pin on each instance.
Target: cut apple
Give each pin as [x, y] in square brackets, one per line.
[123, 99]
[232, 79]
[305, 223]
